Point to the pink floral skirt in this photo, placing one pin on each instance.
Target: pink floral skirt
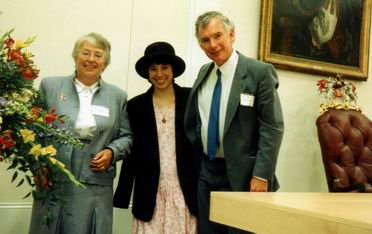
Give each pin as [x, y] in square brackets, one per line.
[171, 215]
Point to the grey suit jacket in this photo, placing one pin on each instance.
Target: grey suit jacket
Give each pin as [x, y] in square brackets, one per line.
[112, 131]
[252, 134]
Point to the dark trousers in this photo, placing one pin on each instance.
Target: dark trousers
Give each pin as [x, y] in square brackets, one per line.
[212, 177]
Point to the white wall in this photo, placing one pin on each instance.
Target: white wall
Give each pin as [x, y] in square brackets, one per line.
[131, 25]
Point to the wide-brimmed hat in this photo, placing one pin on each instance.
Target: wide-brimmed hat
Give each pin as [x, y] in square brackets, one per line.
[162, 52]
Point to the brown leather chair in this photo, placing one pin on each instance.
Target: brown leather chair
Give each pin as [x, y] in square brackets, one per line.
[345, 138]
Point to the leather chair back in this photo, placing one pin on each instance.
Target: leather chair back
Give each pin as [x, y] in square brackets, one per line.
[345, 138]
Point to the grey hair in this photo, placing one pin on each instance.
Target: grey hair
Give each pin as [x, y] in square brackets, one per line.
[205, 18]
[97, 40]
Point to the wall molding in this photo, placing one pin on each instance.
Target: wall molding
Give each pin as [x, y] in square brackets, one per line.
[26, 205]
[17, 205]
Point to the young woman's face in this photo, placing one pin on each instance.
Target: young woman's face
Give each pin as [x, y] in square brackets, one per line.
[161, 75]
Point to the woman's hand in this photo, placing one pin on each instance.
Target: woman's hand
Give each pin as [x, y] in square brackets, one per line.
[101, 161]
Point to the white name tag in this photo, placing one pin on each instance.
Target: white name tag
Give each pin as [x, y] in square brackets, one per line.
[100, 110]
[246, 99]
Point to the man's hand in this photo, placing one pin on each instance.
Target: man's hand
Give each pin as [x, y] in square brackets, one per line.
[101, 161]
[258, 185]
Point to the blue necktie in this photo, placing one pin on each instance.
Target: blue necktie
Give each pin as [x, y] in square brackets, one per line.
[213, 124]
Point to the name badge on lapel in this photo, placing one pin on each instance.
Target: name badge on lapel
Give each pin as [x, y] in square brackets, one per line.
[100, 111]
[246, 99]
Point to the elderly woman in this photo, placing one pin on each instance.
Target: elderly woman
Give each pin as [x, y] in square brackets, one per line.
[98, 117]
[162, 162]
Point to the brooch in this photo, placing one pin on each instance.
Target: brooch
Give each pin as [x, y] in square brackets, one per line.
[62, 97]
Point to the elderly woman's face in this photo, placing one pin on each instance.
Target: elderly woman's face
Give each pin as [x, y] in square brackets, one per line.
[90, 61]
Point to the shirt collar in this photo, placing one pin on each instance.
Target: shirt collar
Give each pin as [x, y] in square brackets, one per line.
[229, 66]
[80, 86]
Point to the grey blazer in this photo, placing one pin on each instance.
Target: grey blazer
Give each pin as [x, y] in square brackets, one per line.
[113, 131]
[252, 134]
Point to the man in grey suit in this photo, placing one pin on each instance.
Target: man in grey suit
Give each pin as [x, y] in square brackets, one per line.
[239, 141]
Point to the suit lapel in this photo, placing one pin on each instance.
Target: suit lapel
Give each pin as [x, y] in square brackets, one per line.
[71, 103]
[192, 118]
[237, 88]
[146, 108]
[201, 77]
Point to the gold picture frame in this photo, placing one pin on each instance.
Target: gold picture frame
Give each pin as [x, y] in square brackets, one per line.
[325, 37]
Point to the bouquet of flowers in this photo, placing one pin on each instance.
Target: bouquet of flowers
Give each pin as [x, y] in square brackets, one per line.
[28, 133]
[338, 94]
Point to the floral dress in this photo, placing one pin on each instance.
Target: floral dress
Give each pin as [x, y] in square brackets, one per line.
[171, 215]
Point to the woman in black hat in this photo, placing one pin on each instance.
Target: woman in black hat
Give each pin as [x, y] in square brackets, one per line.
[162, 165]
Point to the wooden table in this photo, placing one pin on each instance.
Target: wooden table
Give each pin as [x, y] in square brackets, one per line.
[266, 213]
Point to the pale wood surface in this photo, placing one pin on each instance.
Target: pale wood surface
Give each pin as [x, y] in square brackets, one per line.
[266, 213]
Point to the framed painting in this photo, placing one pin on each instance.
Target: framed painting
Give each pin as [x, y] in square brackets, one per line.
[325, 37]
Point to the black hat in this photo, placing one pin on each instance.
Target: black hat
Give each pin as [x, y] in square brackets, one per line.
[161, 52]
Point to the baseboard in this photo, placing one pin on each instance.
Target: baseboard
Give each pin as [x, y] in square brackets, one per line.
[18, 205]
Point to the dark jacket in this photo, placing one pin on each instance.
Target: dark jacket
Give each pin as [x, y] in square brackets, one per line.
[143, 163]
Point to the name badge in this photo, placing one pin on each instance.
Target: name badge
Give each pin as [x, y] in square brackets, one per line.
[100, 111]
[246, 99]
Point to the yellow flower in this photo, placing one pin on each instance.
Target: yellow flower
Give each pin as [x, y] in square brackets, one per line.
[39, 120]
[56, 162]
[36, 151]
[1, 120]
[27, 135]
[19, 44]
[49, 150]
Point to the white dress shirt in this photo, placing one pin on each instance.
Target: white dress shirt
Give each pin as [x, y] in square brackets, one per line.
[205, 94]
[85, 125]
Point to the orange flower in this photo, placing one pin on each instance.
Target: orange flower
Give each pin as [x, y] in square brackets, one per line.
[16, 55]
[35, 111]
[28, 73]
[51, 116]
[9, 43]
[34, 115]
[6, 140]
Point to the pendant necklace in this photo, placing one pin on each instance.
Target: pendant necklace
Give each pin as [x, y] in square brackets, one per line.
[161, 106]
[163, 114]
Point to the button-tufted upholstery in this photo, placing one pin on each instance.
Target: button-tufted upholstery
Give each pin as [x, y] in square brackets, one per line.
[345, 138]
